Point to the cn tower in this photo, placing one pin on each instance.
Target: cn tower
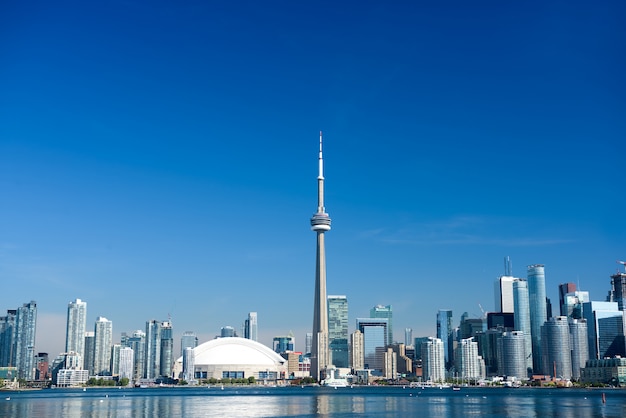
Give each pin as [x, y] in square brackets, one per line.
[320, 223]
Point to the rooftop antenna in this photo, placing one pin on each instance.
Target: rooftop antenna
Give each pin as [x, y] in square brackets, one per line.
[508, 267]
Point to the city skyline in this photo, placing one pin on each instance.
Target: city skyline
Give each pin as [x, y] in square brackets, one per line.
[171, 171]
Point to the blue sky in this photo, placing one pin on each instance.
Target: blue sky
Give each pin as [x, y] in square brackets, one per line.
[160, 159]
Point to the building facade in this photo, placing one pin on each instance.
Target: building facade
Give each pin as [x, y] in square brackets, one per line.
[433, 361]
[357, 355]
[26, 328]
[538, 310]
[386, 312]
[75, 332]
[445, 332]
[522, 320]
[103, 341]
[338, 330]
[375, 342]
[512, 355]
[557, 356]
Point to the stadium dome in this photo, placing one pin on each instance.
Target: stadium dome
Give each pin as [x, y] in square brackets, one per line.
[234, 357]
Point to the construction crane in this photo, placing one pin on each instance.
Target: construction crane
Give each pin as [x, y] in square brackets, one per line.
[623, 263]
[482, 310]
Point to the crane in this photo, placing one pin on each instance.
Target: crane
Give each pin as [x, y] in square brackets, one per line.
[623, 263]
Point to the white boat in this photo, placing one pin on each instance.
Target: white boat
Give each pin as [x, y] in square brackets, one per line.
[336, 383]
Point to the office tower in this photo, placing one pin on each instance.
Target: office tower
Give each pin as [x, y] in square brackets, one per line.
[573, 304]
[557, 355]
[579, 345]
[488, 349]
[445, 332]
[26, 327]
[90, 346]
[75, 332]
[375, 336]
[227, 331]
[7, 338]
[512, 355]
[126, 363]
[250, 327]
[357, 355]
[504, 293]
[284, 343]
[390, 364]
[548, 309]
[469, 364]
[152, 360]
[137, 342]
[188, 340]
[538, 310]
[470, 326]
[605, 329]
[338, 330]
[522, 319]
[408, 337]
[618, 290]
[384, 311]
[564, 289]
[308, 341]
[114, 366]
[433, 360]
[320, 223]
[103, 340]
[167, 350]
[188, 364]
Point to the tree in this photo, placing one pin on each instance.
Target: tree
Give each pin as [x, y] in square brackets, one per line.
[251, 380]
[124, 381]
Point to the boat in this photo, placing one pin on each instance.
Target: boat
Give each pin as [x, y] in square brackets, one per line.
[336, 383]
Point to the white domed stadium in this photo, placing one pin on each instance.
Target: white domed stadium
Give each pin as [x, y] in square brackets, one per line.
[233, 357]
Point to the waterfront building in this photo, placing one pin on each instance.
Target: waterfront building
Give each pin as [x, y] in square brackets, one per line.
[445, 332]
[90, 344]
[386, 312]
[26, 327]
[468, 362]
[557, 356]
[579, 345]
[320, 223]
[538, 310]
[188, 340]
[433, 360]
[605, 329]
[504, 293]
[103, 341]
[126, 364]
[605, 371]
[75, 332]
[375, 342]
[235, 358]
[522, 320]
[152, 359]
[250, 327]
[512, 355]
[71, 377]
[338, 331]
[166, 362]
[357, 354]
[565, 289]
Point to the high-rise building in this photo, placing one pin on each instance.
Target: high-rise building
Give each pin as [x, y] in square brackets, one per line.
[384, 311]
[564, 289]
[26, 327]
[512, 355]
[114, 367]
[579, 345]
[468, 362]
[557, 356]
[308, 341]
[188, 364]
[357, 355]
[137, 342]
[522, 320]
[7, 338]
[605, 329]
[188, 340]
[538, 310]
[75, 332]
[618, 290]
[504, 293]
[284, 343]
[573, 304]
[103, 341]
[126, 363]
[152, 359]
[408, 337]
[167, 350]
[227, 332]
[470, 326]
[445, 332]
[375, 342]
[433, 360]
[338, 330]
[250, 328]
[320, 223]
[90, 346]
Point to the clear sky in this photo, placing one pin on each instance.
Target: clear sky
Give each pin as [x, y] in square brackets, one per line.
[160, 158]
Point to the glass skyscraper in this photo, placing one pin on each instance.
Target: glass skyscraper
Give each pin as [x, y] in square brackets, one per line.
[103, 341]
[188, 340]
[557, 356]
[521, 316]
[167, 350]
[250, 327]
[538, 310]
[338, 330]
[380, 311]
[152, 359]
[375, 341]
[512, 355]
[26, 327]
[579, 345]
[445, 332]
[605, 329]
[75, 332]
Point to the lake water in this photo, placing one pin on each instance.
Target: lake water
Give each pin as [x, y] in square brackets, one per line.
[312, 401]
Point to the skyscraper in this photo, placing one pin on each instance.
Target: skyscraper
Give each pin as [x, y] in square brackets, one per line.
[26, 327]
[103, 340]
[152, 359]
[188, 340]
[564, 289]
[250, 330]
[618, 290]
[538, 310]
[375, 342]
[445, 333]
[408, 337]
[89, 352]
[138, 343]
[356, 351]
[384, 311]
[468, 363]
[557, 355]
[338, 330]
[579, 345]
[504, 293]
[167, 350]
[522, 320]
[320, 223]
[75, 332]
[227, 331]
[433, 361]
[126, 363]
[605, 329]
[512, 355]
[7, 338]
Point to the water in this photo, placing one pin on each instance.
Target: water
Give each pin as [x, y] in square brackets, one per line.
[312, 401]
